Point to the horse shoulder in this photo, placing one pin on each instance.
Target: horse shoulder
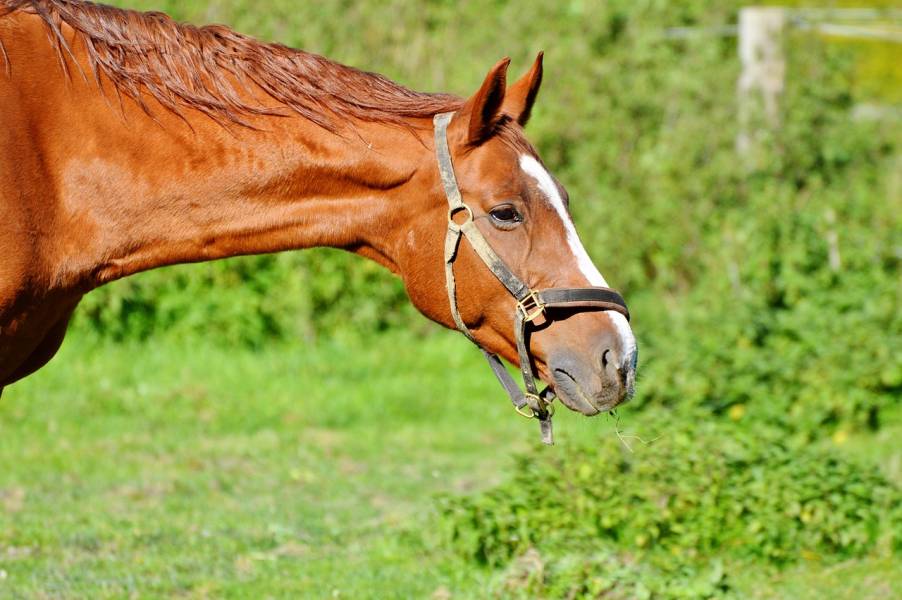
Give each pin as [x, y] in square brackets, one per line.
[33, 313]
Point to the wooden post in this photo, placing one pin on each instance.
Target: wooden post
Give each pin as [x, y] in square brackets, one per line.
[763, 71]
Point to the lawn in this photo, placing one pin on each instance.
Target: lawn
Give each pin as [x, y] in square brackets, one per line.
[173, 468]
[765, 298]
[184, 468]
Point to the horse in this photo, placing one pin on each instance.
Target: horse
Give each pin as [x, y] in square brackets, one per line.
[130, 141]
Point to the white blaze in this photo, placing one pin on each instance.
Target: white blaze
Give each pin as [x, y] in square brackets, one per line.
[534, 169]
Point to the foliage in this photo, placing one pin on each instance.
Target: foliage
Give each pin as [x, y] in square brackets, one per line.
[250, 301]
[826, 360]
[702, 490]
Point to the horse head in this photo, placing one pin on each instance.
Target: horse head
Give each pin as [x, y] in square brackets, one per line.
[584, 351]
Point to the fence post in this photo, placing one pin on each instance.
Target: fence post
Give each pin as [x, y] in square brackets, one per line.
[763, 71]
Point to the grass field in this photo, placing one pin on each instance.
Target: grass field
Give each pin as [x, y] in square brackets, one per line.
[765, 300]
[184, 469]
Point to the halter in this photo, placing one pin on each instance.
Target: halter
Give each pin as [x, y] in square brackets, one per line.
[530, 303]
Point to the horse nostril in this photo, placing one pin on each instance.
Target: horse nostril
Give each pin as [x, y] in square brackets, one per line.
[610, 359]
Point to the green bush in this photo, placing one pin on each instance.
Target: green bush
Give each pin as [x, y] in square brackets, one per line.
[250, 301]
[703, 489]
[824, 359]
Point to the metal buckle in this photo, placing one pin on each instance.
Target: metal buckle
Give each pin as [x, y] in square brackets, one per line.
[530, 307]
[550, 408]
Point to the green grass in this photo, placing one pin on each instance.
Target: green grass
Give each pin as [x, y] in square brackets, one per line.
[169, 468]
[184, 469]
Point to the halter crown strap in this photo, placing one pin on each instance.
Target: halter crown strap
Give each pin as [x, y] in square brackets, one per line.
[455, 204]
[468, 228]
[530, 303]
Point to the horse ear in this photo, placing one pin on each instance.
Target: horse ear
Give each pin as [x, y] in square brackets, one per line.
[520, 97]
[484, 106]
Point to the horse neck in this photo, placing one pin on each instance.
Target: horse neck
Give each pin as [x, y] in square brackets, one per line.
[146, 194]
[111, 191]
[288, 188]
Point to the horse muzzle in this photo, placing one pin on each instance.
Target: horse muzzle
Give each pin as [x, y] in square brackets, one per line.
[596, 382]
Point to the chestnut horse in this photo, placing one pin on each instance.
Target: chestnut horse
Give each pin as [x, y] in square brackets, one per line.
[130, 142]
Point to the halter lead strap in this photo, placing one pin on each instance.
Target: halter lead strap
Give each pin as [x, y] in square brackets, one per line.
[530, 303]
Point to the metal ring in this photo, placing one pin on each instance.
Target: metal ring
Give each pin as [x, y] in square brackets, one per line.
[541, 403]
[530, 415]
[455, 209]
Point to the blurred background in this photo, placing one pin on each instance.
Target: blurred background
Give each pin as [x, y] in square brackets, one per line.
[287, 425]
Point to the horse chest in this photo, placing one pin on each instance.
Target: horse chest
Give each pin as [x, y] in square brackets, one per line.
[32, 335]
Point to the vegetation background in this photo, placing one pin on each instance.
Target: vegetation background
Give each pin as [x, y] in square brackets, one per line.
[254, 427]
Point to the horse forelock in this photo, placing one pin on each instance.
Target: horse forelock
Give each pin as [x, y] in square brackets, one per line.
[212, 69]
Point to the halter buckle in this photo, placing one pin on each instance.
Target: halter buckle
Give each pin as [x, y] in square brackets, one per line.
[549, 408]
[530, 307]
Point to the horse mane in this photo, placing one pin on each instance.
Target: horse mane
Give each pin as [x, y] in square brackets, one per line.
[212, 68]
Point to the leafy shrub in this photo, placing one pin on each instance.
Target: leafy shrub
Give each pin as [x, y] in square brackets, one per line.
[702, 489]
[825, 358]
[250, 300]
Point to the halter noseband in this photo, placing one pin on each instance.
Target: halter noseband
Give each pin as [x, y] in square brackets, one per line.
[530, 303]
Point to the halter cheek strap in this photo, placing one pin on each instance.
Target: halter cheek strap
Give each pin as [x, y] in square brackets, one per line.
[530, 303]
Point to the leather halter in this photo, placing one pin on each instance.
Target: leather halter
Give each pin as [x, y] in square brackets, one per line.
[530, 303]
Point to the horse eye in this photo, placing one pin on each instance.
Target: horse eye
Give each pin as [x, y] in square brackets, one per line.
[506, 215]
